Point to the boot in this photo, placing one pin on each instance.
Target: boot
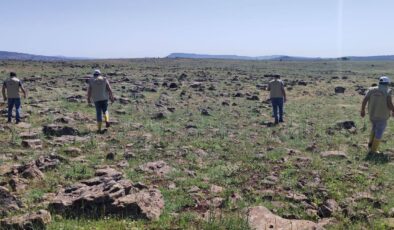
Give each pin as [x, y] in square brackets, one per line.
[99, 124]
[375, 146]
[371, 137]
[106, 119]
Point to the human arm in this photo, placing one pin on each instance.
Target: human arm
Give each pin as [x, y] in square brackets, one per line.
[110, 92]
[284, 93]
[3, 91]
[89, 95]
[390, 104]
[363, 105]
[23, 90]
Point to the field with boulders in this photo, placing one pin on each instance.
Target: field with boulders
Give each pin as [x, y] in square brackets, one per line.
[192, 145]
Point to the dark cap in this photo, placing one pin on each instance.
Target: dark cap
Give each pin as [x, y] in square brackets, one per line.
[12, 74]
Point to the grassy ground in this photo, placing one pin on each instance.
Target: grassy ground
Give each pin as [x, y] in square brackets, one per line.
[241, 151]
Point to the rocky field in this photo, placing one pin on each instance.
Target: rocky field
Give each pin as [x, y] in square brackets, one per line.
[192, 146]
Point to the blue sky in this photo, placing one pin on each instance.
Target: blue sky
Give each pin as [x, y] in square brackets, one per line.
[155, 28]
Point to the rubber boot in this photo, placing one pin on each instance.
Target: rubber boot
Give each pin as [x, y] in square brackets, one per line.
[375, 146]
[99, 125]
[371, 138]
[106, 119]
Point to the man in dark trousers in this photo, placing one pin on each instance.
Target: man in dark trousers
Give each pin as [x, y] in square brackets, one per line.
[100, 91]
[278, 97]
[10, 90]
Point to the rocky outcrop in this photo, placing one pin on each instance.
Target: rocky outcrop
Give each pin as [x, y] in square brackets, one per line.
[37, 220]
[108, 194]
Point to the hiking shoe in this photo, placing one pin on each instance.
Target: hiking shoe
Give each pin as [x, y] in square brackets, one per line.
[107, 124]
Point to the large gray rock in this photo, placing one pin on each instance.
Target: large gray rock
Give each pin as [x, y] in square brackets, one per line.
[37, 220]
[108, 194]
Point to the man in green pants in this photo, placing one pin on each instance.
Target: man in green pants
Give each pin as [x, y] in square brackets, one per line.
[379, 105]
[100, 91]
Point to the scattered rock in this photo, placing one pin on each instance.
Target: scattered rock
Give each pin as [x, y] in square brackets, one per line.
[73, 151]
[260, 218]
[32, 144]
[123, 164]
[346, 125]
[328, 208]
[340, 89]
[253, 98]
[216, 189]
[158, 116]
[36, 220]
[205, 112]
[8, 202]
[29, 135]
[17, 184]
[59, 130]
[160, 168]
[110, 156]
[108, 194]
[334, 154]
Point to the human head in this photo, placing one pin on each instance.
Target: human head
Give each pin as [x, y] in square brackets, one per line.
[12, 74]
[384, 80]
[277, 76]
[97, 72]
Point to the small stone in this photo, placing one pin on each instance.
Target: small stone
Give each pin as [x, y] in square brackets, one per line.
[333, 154]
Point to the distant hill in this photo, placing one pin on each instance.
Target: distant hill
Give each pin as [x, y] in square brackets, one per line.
[236, 57]
[280, 57]
[369, 58]
[5, 55]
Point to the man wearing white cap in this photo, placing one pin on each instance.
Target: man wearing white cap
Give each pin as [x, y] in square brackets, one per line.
[100, 91]
[379, 105]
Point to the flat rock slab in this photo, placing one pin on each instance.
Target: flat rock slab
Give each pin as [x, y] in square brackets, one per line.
[108, 194]
[36, 220]
[68, 139]
[333, 154]
[28, 135]
[260, 218]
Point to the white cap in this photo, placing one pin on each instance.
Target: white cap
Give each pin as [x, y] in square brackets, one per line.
[97, 72]
[384, 80]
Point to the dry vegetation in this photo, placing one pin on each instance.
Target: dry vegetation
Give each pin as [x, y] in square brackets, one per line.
[209, 121]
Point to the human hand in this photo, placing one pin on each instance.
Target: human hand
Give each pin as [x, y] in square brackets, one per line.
[362, 113]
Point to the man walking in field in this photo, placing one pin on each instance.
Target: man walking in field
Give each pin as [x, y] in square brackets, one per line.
[379, 105]
[278, 97]
[100, 91]
[10, 92]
